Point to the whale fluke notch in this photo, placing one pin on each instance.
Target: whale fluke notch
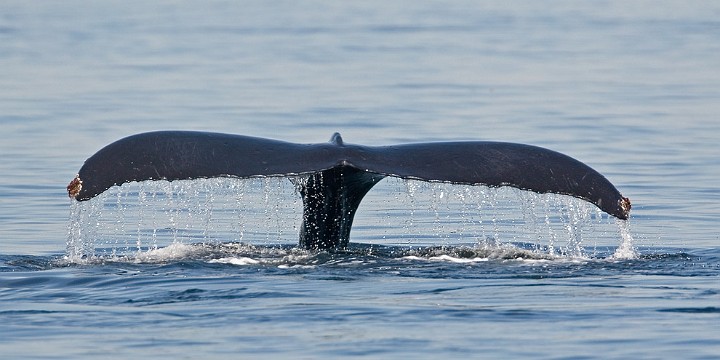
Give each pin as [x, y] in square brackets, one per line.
[333, 177]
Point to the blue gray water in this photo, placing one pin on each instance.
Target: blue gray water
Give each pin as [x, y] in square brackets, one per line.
[209, 269]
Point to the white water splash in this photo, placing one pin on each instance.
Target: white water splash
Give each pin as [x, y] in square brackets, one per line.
[174, 251]
[458, 260]
[235, 261]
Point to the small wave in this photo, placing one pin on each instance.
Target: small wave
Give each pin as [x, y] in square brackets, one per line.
[693, 310]
[480, 253]
[10, 263]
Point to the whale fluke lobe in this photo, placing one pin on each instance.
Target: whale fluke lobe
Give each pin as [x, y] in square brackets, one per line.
[333, 177]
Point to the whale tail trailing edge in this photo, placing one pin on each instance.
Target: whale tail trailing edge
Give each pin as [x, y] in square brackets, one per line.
[334, 176]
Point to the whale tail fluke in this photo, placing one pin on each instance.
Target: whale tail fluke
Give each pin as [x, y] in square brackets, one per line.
[333, 177]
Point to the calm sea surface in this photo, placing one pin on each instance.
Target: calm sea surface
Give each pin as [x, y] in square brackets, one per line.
[209, 269]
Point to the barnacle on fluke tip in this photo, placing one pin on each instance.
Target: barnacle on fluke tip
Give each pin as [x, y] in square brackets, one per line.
[74, 187]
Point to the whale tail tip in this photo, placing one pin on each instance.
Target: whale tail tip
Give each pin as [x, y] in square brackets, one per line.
[74, 187]
[625, 206]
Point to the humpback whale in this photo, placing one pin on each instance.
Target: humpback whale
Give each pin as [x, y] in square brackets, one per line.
[332, 178]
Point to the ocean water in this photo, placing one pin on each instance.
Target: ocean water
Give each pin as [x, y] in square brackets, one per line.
[211, 269]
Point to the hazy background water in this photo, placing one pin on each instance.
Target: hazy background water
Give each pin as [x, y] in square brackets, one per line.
[630, 88]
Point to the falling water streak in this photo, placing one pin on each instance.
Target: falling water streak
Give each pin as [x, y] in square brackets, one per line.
[491, 195]
[411, 189]
[83, 230]
[570, 217]
[401, 201]
[96, 210]
[295, 203]
[594, 219]
[529, 214]
[171, 209]
[436, 200]
[73, 246]
[467, 205]
[425, 205]
[207, 209]
[157, 208]
[119, 222]
[280, 222]
[626, 250]
[552, 240]
[266, 202]
[479, 202]
[142, 205]
[189, 206]
[238, 209]
[459, 193]
[151, 225]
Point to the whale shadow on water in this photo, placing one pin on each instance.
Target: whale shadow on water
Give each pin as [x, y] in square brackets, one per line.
[332, 178]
